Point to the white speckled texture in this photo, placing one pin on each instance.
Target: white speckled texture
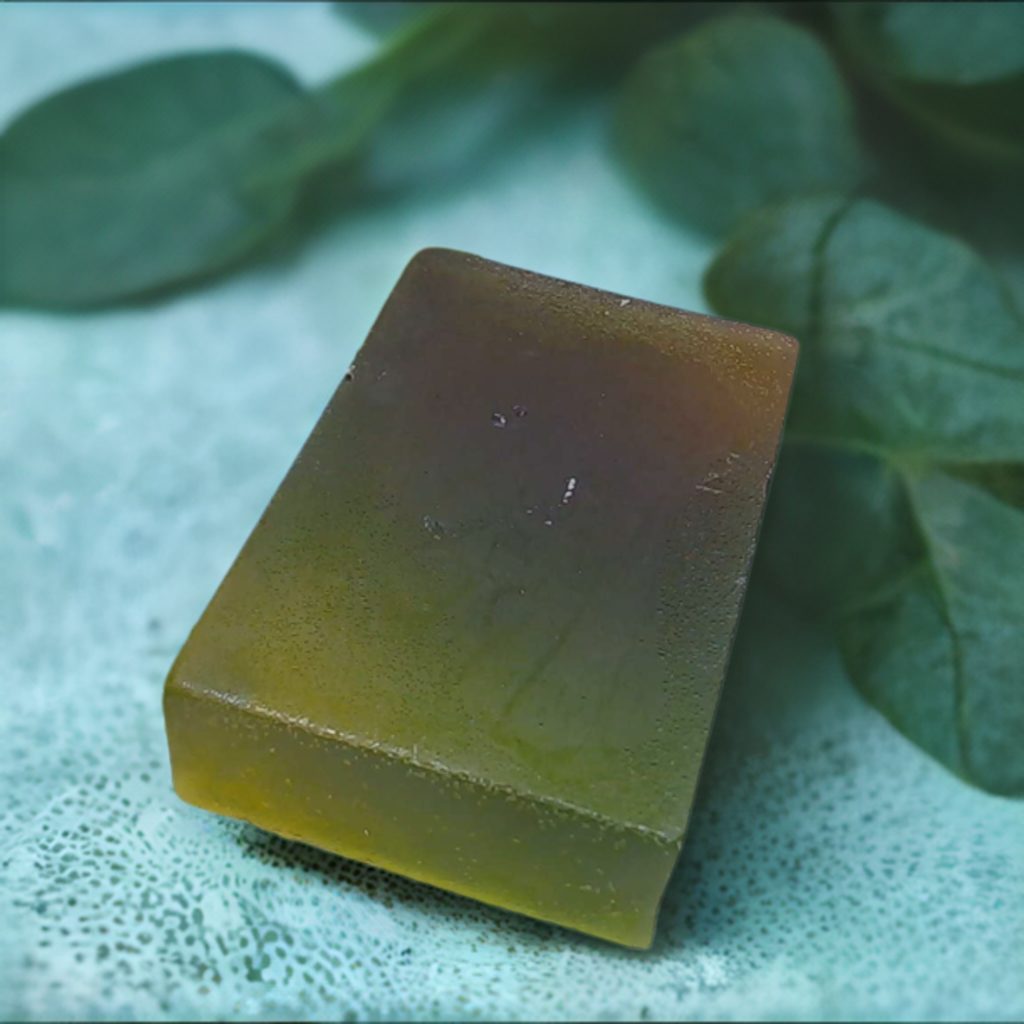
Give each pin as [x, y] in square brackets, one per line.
[832, 871]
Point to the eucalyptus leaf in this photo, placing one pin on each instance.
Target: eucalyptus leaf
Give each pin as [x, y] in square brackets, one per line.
[768, 270]
[139, 178]
[838, 525]
[1004, 480]
[382, 19]
[912, 346]
[956, 68]
[743, 111]
[590, 41]
[941, 650]
[955, 43]
[896, 509]
[466, 44]
[520, 53]
[174, 169]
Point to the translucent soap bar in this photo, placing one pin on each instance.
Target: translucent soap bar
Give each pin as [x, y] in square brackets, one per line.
[478, 636]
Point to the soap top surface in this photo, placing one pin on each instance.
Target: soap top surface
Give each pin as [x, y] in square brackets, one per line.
[515, 545]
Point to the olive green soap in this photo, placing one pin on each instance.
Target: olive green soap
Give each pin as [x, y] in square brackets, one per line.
[478, 635]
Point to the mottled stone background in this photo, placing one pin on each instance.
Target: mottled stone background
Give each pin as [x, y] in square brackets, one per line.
[832, 870]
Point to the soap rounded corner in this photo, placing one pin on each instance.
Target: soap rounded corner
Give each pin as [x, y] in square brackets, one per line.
[790, 346]
[432, 255]
[785, 343]
[173, 679]
[790, 341]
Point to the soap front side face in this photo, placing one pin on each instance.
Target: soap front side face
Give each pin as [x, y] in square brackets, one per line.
[479, 633]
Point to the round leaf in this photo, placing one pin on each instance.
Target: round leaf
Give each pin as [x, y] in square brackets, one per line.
[139, 179]
[911, 346]
[741, 112]
[956, 68]
[912, 363]
[941, 652]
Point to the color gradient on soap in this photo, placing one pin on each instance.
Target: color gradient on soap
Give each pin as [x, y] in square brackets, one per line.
[477, 637]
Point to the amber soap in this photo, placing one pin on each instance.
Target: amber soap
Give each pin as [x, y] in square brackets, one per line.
[478, 635]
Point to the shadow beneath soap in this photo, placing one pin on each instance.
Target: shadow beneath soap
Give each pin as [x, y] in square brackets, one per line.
[748, 839]
[485, 926]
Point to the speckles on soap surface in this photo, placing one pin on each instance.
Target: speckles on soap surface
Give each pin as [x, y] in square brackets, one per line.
[339, 582]
[137, 449]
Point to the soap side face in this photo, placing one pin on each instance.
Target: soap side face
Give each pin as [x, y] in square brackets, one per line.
[515, 546]
[497, 846]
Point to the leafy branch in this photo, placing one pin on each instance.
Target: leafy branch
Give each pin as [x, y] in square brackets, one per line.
[837, 151]
[177, 168]
[911, 377]
[896, 509]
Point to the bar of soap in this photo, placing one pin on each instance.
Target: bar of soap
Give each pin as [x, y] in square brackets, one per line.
[477, 638]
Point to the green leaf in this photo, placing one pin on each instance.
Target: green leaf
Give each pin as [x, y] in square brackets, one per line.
[912, 346]
[767, 272]
[595, 41]
[1003, 480]
[838, 525]
[518, 55]
[743, 111]
[940, 651]
[382, 19]
[956, 68]
[459, 70]
[139, 179]
[175, 169]
[957, 43]
[897, 505]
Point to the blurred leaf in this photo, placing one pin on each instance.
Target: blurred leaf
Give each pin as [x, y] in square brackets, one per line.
[520, 55]
[956, 68]
[599, 38]
[912, 346]
[583, 43]
[912, 366]
[955, 43]
[139, 178]
[774, 676]
[766, 273]
[174, 169]
[743, 111]
[599, 41]
[341, 117]
[382, 18]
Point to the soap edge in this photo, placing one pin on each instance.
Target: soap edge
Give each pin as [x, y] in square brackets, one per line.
[785, 343]
[751, 555]
[659, 856]
[176, 684]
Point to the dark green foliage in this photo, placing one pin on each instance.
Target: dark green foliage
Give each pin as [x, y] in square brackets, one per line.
[176, 168]
[912, 345]
[957, 69]
[741, 112]
[898, 505]
[912, 369]
[140, 178]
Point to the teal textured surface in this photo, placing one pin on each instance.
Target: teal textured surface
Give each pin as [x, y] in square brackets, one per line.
[831, 870]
